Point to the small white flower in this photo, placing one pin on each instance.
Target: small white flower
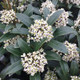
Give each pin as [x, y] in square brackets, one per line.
[34, 62]
[7, 16]
[50, 75]
[40, 30]
[77, 2]
[11, 41]
[62, 20]
[48, 4]
[75, 78]
[77, 24]
[73, 54]
[21, 8]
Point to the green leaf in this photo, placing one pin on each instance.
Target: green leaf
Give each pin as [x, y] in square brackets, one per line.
[38, 45]
[60, 73]
[70, 22]
[54, 17]
[8, 27]
[13, 59]
[35, 77]
[71, 37]
[14, 79]
[36, 17]
[79, 13]
[78, 38]
[2, 51]
[55, 2]
[64, 31]
[20, 31]
[53, 29]
[46, 12]
[16, 44]
[24, 19]
[29, 10]
[65, 70]
[6, 36]
[11, 69]
[2, 26]
[15, 51]
[70, 6]
[74, 68]
[64, 67]
[36, 10]
[24, 46]
[52, 56]
[18, 25]
[57, 45]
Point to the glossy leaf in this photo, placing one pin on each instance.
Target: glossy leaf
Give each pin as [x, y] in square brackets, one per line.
[36, 10]
[64, 67]
[6, 36]
[38, 45]
[54, 17]
[8, 27]
[78, 38]
[24, 19]
[55, 2]
[36, 17]
[14, 79]
[2, 26]
[60, 73]
[64, 31]
[24, 46]
[57, 45]
[2, 51]
[18, 25]
[20, 31]
[29, 10]
[74, 69]
[65, 70]
[13, 59]
[46, 12]
[35, 77]
[52, 56]
[11, 69]
[15, 51]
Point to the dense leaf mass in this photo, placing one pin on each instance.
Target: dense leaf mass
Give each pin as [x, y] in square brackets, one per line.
[39, 40]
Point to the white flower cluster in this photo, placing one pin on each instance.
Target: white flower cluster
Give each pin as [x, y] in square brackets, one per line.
[75, 78]
[62, 20]
[77, 24]
[77, 2]
[73, 54]
[48, 4]
[22, 4]
[21, 7]
[11, 41]
[7, 16]
[34, 62]
[41, 30]
[57, 51]
[50, 75]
